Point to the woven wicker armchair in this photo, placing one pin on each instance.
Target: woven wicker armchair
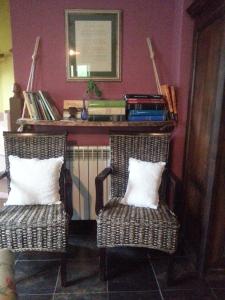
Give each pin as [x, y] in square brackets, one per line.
[47, 229]
[123, 225]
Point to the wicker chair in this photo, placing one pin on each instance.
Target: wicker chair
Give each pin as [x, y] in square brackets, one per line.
[47, 229]
[123, 225]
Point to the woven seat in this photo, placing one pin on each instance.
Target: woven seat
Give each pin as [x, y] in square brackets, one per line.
[34, 228]
[137, 226]
[37, 227]
[124, 225]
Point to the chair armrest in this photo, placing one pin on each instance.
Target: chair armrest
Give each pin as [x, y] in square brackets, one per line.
[68, 193]
[99, 179]
[3, 174]
[174, 190]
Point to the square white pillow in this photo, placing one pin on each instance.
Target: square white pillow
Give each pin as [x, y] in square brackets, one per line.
[34, 181]
[143, 183]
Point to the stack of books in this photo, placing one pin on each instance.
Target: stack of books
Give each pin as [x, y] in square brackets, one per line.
[40, 106]
[106, 110]
[145, 107]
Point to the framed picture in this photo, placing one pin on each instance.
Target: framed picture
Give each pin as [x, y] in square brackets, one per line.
[93, 40]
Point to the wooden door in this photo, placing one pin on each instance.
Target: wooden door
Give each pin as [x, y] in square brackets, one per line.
[203, 131]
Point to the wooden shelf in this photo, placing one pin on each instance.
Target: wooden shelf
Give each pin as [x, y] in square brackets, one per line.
[160, 125]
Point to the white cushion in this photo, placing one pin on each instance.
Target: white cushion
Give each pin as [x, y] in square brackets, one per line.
[143, 183]
[34, 181]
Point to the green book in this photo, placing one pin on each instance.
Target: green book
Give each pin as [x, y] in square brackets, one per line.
[103, 118]
[106, 103]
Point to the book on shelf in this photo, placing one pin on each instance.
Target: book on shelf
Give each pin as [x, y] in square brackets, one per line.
[106, 103]
[106, 110]
[44, 111]
[28, 103]
[36, 106]
[143, 96]
[146, 118]
[40, 106]
[32, 105]
[103, 118]
[147, 112]
[146, 101]
[146, 106]
[49, 105]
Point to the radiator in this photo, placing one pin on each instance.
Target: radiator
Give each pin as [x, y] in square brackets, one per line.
[84, 164]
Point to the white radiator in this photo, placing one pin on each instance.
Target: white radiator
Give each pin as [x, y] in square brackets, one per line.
[84, 164]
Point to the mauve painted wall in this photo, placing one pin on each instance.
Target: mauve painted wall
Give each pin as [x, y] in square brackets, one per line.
[162, 20]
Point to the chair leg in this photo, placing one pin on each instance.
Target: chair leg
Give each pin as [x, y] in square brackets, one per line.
[63, 270]
[103, 264]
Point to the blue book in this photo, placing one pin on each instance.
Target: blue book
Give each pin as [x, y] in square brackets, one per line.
[147, 112]
[146, 118]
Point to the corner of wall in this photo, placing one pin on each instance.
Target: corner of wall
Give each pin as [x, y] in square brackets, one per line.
[6, 59]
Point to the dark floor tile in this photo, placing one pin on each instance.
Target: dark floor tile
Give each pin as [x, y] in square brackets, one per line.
[196, 294]
[128, 253]
[135, 296]
[216, 280]
[36, 277]
[183, 274]
[110, 296]
[38, 256]
[35, 297]
[92, 296]
[129, 270]
[82, 247]
[220, 293]
[83, 277]
[156, 254]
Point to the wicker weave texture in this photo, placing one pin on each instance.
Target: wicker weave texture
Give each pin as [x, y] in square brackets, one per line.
[34, 146]
[146, 147]
[34, 227]
[123, 225]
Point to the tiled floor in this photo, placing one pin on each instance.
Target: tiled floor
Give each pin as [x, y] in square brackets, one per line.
[134, 274]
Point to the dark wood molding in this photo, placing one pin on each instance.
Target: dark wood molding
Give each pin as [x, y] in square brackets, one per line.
[202, 7]
[159, 126]
[204, 153]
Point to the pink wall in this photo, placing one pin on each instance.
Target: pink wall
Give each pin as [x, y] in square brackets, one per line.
[164, 21]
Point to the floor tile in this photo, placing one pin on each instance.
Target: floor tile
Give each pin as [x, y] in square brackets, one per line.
[216, 280]
[196, 294]
[38, 256]
[128, 253]
[91, 296]
[82, 247]
[184, 275]
[129, 270]
[135, 296]
[35, 297]
[83, 277]
[110, 296]
[36, 277]
[220, 293]
[132, 274]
